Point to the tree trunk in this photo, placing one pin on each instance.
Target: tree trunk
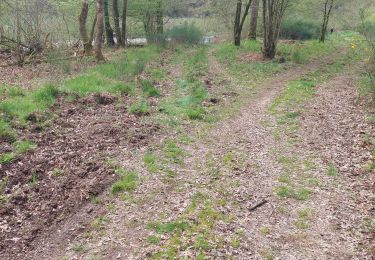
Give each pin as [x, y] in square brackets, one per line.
[254, 20]
[159, 19]
[328, 5]
[239, 22]
[87, 44]
[92, 33]
[116, 20]
[99, 30]
[124, 35]
[108, 28]
[237, 34]
[273, 12]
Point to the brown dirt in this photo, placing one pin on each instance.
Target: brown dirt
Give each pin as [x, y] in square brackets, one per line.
[333, 130]
[69, 166]
[251, 142]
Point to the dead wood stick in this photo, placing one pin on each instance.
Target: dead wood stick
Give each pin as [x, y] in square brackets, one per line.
[259, 204]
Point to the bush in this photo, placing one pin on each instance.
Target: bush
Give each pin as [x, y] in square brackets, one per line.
[299, 30]
[186, 33]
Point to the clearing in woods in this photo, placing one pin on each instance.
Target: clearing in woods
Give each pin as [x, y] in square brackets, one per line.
[211, 152]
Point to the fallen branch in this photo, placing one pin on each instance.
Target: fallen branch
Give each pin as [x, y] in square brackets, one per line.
[257, 205]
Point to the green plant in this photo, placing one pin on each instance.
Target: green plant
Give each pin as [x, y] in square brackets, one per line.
[140, 108]
[172, 151]
[299, 29]
[170, 227]
[151, 162]
[185, 33]
[23, 147]
[153, 240]
[7, 158]
[6, 132]
[149, 89]
[128, 181]
[332, 171]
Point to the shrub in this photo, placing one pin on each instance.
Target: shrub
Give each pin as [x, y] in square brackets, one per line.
[299, 30]
[185, 33]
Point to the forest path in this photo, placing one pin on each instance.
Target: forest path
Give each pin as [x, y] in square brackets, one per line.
[204, 206]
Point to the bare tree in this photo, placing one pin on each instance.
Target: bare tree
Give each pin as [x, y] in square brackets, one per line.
[239, 21]
[328, 5]
[116, 20]
[273, 12]
[124, 17]
[108, 28]
[254, 19]
[99, 30]
[87, 43]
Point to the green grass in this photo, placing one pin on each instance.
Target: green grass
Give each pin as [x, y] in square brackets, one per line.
[6, 132]
[19, 148]
[139, 108]
[332, 171]
[170, 227]
[295, 94]
[173, 152]
[148, 89]
[128, 181]
[21, 107]
[153, 240]
[7, 158]
[288, 191]
[23, 147]
[304, 217]
[150, 160]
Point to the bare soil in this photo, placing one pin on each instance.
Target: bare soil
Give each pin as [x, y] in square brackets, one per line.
[50, 215]
[67, 168]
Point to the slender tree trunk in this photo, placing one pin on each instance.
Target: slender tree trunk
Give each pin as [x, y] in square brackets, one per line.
[99, 30]
[93, 26]
[116, 20]
[328, 5]
[108, 28]
[159, 19]
[237, 34]
[273, 12]
[87, 44]
[124, 32]
[254, 20]
[239, 22]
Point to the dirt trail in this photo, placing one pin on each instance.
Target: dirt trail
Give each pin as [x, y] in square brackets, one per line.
[239, 161]
[338, 206]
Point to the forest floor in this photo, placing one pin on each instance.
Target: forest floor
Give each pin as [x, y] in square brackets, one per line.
[280, 165]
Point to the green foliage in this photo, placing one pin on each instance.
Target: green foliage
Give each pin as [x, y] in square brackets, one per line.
[298, 193]
[150, 160]
[23, 147]
[7, 158]
[299, 29]
[148, 89]
[332, 171]
[185, 33]
[170, 227]
[173, 151]
[153, 240]
[6, 132]
[128, 181]
[20, 107]
[139, 108]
